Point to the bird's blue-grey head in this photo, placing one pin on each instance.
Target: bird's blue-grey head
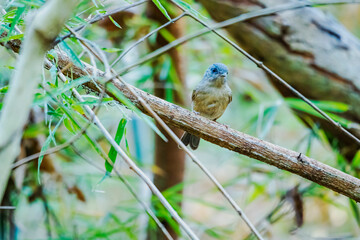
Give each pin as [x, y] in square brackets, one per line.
[216, 71]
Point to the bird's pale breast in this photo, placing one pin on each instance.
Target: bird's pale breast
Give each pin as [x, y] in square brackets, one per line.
[212, 102]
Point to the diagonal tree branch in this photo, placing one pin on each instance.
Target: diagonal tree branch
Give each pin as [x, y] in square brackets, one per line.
[231, 139]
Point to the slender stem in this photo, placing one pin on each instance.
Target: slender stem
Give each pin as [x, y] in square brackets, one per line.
[146, 37]
[7, 208]
[98, 18]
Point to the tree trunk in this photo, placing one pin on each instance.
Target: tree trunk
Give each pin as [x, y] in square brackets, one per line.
[169, 159]
[308, 49]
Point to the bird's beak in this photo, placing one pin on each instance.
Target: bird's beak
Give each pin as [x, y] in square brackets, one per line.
[223, 75]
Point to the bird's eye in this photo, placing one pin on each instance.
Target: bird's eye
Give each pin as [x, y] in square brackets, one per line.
[214, 70]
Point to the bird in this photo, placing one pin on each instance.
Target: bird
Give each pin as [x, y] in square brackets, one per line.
[210, 98]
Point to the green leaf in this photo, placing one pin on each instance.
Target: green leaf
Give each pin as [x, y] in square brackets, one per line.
[114, 22]
[60, 90]
[17, 17]
[127, 145]
[355, 210]
[69, 126]
[8, 67]
[71, 54]
[77, 127]
[34, 130]
[266, 119]
[189, 8]
[161, 8]
[46, 145]
[167, 35]
[53, 74]
[356, 160]
[212, 232]
[4, 89]
[120, 97]
[329, 107]
[112, 50]
[113, 153]
[17, 36]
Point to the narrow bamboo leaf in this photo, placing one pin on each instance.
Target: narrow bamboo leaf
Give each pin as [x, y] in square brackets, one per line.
[189, 8]
[60, 90]
[112, 50]
[356, 160]
[53, 74]
[327, 106]
[355, 210]
[32, 3]
[71, 54]
[46, 145]
[68, 125]
[107, 175]
[214, 233]
[112, 153]
[127, 145]
[268, 120]
[161, 8]
[119, 96]
[167, 35]
[19, 12]
[114, 22]
[17, 36]
[77, 127]
[80, 20]
[8, 67]
[9, 16]
[4, 89]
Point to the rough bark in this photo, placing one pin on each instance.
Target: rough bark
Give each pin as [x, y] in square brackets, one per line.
[309, 49]
[169, 159]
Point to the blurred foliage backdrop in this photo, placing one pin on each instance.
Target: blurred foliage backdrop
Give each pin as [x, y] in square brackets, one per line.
[70, 196]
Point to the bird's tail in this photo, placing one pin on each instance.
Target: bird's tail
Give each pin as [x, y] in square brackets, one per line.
[187, 139]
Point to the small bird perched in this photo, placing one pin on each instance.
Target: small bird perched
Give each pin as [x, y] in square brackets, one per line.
[210, 98]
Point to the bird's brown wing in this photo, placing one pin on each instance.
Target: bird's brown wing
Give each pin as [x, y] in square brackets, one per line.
[230, 98]
[193, 95]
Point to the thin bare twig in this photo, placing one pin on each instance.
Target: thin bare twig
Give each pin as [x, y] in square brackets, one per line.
[147, 36]
[98, 18]
[7, 208]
